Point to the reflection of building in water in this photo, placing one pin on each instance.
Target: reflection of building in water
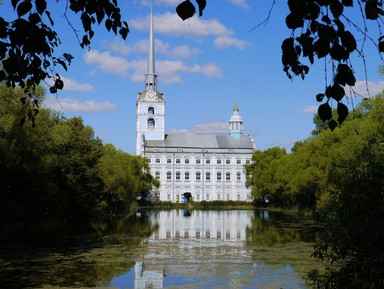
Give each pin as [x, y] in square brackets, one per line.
[147, 276]
[186, 236]
[225, 225]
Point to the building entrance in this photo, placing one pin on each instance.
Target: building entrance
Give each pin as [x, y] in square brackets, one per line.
[187, 197]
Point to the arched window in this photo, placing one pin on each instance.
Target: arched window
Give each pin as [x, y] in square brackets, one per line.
[151, 110]
[151, 123]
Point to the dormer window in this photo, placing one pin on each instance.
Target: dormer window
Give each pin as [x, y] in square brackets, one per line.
[151, 110]
[151, 123]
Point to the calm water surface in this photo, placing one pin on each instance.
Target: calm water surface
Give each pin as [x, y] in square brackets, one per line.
[168, 249]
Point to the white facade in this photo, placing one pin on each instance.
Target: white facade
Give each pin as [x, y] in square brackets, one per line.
[208, 174]
[190, 166]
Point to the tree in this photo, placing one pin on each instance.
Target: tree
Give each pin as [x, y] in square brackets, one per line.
[28, 44]
[352, 217]
[126, 180]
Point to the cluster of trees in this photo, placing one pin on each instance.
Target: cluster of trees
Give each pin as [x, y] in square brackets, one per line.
[340, 175]
[56, 166]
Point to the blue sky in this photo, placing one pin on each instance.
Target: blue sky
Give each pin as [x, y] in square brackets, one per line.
[204, 66]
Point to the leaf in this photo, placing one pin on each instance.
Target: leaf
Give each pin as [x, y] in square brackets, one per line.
[344, 75]
[335, 91]
[294, 21]
[23, 8]
[325, 112]
[41, 5]
[53, 89]
[49, 17]
[202, 4]
[348, 41]
[336, 8]
[338, 52]
[185, 10]
[371, 9]
[14, 3]
[342, 111]
[86, 20]
[332, 124]
[347, 3]
[381, 46]
[320, 97]
[59, 84]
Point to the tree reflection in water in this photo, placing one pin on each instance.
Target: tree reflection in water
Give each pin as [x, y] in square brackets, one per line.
[168, 249]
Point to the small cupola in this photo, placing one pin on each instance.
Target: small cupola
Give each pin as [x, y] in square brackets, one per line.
[236, 123]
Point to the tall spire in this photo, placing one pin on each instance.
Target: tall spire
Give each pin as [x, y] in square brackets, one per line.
[150, 76]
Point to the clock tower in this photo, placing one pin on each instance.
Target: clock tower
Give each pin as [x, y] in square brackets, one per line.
[150, 105]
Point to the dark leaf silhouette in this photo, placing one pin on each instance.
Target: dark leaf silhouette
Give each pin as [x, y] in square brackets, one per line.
[185, 10]
[342, 111]
[332, 124]
[325, 112]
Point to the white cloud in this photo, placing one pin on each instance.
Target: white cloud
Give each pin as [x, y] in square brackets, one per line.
[309, 109]
[206, 128]
[170, 71]
[71, 85]
[106, 62]
[361, 88]
[161, 48]
[171, 24]
[240, 3]
[76, 105]
[227, 41]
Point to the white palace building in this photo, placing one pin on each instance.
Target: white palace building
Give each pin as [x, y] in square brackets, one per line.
[198, 167]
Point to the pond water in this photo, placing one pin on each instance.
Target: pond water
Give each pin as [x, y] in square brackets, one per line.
[168, 249]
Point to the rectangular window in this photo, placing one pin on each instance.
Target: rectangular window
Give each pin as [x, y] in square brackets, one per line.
[169, 175]
[177, 176]
[177, 161]
[186, 176]
[169, 161]
[248, 162]
[198, 176]
[157, 175]
[228, 197]
[207, 197]
[238, 162]
[228, 176]
[239, 176]
[186, 161]
[198, 161]
[227, 162]
[207, 161]
[219, 162]
[208, 176]
[157, 161]
[218, 176]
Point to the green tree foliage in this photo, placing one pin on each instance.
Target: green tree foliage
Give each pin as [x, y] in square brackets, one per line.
[59, 168]
[126, 179]
[29, 42]
[340, 175]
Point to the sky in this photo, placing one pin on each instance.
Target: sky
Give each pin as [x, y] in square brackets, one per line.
[204, 65]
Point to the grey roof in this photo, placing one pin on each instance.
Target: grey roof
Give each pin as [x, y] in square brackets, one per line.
[183, 140]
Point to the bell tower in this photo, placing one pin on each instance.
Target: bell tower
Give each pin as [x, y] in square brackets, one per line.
[150, 104]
